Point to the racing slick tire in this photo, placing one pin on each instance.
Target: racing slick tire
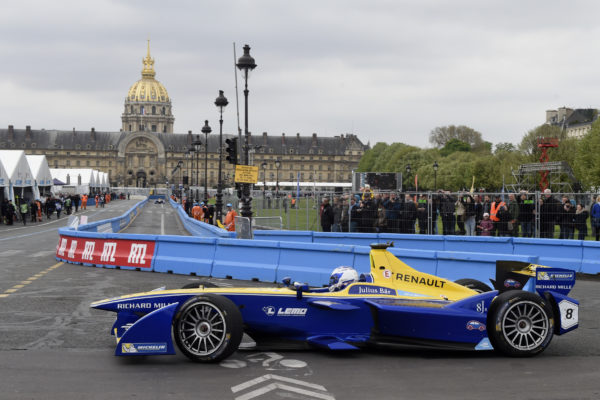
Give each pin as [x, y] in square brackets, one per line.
[520, 324]
[208, 328]
[474, 284]
[196, 285]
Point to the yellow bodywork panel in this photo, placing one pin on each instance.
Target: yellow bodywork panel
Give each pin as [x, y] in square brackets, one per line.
[387, 270]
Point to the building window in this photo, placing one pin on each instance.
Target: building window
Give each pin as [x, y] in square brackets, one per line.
[97, 163]
[68, 163]
[129, 127]
[78, 163]
[141, 127]
[153, 111]
[153, 128]
[55, 163]
[132, 113]
[163, 111]
[165, 129]
[142, 110]
[87, 163]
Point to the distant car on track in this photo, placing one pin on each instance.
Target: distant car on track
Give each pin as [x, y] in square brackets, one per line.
[394, 304]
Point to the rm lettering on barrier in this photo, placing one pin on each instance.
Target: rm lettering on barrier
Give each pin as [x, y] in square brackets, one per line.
[117, 252]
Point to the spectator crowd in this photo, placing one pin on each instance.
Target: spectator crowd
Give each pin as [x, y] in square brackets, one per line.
[472, 214]
[44, 208]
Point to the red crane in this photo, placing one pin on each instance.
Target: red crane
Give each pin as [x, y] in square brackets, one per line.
[545, 144]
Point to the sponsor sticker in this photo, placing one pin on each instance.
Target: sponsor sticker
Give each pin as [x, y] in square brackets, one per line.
[371, 290]
[285, 312]
[141, 348]
[512, 283]
[475, 325]
[387, 273]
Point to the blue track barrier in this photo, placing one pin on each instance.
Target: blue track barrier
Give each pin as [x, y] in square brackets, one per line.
[479, 244]
[419, 242]
[198, 228]
[455, 265]
[313, 263]
[246, 259]
[357, 239]
[590, 262]
[185, 255]
[285, 236]
[552, 252]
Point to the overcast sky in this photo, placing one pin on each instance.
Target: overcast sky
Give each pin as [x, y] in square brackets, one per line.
[386, 71]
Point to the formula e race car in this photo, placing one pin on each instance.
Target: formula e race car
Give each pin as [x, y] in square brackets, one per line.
[394, 304]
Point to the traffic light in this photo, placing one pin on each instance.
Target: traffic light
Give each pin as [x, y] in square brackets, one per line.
[231, 150]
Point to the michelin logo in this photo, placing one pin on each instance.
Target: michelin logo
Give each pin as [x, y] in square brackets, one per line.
[140, 348]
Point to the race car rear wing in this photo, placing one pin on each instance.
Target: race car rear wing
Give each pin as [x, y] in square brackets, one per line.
[511, 275]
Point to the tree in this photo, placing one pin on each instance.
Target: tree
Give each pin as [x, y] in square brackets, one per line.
[506, 147]
[587, 163]
[453, 146]
[441, 135]
[529, 143]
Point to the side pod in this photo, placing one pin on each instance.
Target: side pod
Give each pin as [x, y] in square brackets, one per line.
[151, 334]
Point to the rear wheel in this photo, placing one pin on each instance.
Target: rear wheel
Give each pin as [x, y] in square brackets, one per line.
[520, 324]
[208, 328]
[474, 284]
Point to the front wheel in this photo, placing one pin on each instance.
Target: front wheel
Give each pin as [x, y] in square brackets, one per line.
[208, 328]
[520, 324]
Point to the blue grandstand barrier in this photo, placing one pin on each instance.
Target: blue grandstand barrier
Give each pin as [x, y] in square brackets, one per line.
[356, 239]
[285, 236]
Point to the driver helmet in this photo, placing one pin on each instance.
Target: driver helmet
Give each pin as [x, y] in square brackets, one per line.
[342, 277]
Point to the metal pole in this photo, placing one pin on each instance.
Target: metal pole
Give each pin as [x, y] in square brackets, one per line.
[247, 206]
[219, 204]
[206, 168]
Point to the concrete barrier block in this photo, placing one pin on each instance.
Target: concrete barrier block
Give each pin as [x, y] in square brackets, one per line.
[345, 238]
[312, 263]
[185, 255]
[422, 242]
[246, 259]
[552, 252]
[590, 263]
[479, 244]
[285, 236]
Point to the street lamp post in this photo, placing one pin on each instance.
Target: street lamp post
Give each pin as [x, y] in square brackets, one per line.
[264, 167]
[206, 130]
[220, 102]
[246, 64]
[435, 168]
[197, 145]
[408, 169]
[277, 165]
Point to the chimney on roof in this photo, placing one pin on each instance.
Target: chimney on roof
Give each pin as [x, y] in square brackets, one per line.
[314, 139]
[11, 133]
[283, 139]
[298, 138]
[189, 138]
[93, 134]
[28, 132]
[265, 138]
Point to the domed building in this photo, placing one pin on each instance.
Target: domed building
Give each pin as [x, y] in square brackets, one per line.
[147, 105]
[146, 152]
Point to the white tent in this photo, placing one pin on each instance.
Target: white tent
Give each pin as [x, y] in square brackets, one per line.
[105, 180]
[19, 174]
[95, 180]
[4, 182]
[41, 173]
[78, 180]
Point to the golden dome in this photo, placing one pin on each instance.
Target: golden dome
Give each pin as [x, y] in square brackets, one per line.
[148, 89]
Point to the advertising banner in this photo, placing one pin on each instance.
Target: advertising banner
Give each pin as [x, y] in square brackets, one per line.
[117, 252]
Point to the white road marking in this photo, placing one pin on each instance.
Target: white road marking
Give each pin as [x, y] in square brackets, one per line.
[274, 386]
[162, 224]
[264, 378]
[9, 253]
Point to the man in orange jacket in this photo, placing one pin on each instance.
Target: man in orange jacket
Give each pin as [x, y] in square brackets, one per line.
[494, 209]
[230, 218]
[197, 212]
[84, 200]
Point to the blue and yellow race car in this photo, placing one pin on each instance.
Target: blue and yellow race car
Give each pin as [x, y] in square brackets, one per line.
[394, 304]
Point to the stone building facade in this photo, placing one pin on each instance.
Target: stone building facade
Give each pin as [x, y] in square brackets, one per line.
[146, 152]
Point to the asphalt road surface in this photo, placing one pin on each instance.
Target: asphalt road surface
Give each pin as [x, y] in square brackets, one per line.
[53, 346]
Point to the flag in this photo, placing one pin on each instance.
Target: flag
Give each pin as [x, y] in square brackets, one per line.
[473, 185]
